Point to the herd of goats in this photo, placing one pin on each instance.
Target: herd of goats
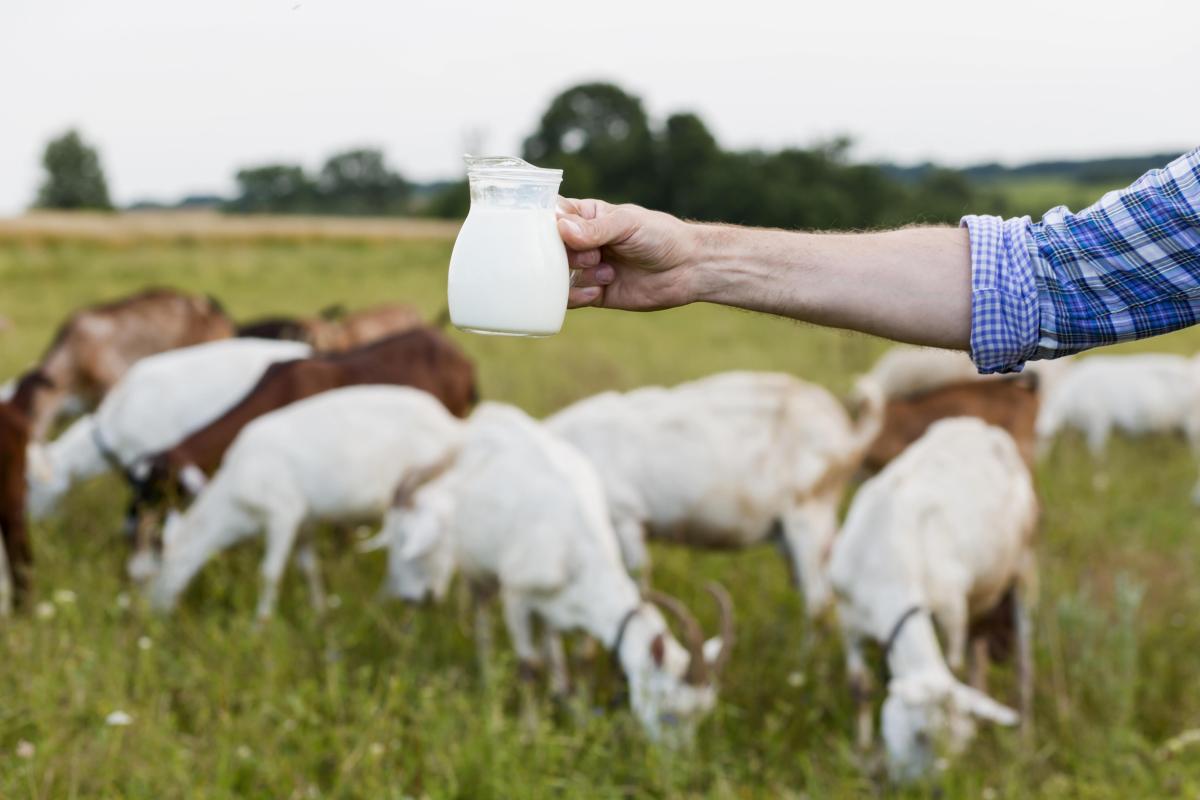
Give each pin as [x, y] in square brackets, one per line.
[225, 432]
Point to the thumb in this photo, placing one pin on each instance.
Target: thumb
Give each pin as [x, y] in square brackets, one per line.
[586, 234]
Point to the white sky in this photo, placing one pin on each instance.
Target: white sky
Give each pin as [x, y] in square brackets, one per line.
[178, 95]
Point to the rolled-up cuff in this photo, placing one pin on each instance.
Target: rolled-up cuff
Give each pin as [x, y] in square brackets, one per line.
[1004, 307]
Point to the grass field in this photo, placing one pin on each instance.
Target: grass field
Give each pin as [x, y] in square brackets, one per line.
[382, 701]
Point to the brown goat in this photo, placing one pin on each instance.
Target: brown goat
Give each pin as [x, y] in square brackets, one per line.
[334, 330]
[423, 358]
[1009, 403]
[95, 346]
[14, 439]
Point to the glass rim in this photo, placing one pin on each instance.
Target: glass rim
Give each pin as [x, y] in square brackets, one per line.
[509, 167]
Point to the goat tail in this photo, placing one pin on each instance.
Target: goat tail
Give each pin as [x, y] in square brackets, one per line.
[871, 401]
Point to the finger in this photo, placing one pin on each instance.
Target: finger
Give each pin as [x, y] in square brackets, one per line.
[586, 296]
[583, 259]
[601, 275]
[586, 234]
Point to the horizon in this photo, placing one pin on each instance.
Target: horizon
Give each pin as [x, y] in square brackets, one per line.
[177, 99]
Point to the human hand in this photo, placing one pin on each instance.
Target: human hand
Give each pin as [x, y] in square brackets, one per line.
[628, 257]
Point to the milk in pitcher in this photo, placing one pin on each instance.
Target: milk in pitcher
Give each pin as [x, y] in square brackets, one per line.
[508, 271]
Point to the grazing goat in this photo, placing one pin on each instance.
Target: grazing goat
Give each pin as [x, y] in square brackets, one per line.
[905, 370]
[334, 330]
[1139, 395]
[97, 345]
[725, 462]
[523, 510]
[338, 456]
[17, 553]
[423, 358]
[1010, 403]
[943, 534]
[157, 402]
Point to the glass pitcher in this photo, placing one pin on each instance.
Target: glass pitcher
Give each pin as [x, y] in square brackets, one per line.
[508, 272]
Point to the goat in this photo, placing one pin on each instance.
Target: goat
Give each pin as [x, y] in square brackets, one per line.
[423, 358]
[1139, 395]
[727, 461]
[156, 402]
[905, 370]
[1010, 403]
[520, 508]
[943, 533]
[334, 329]
[17, 551]
[338, 456]
[95, 346]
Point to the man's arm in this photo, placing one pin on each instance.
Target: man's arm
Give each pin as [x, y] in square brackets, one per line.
[913, 285]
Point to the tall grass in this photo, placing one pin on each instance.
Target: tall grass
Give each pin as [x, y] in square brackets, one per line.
[378, 700]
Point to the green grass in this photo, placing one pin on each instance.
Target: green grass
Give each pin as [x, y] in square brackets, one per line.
[379, 700]
[1036, 196]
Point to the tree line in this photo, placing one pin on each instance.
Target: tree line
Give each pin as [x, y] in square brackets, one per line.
[608, 147]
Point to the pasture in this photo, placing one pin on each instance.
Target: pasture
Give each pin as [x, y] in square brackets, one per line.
[381, 700]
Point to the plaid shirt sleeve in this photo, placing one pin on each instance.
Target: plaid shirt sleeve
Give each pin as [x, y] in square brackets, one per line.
[1127, 267]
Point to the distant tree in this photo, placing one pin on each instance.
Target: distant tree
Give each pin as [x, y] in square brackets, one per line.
[688, 152]
[274, 189]
[359, 182]
[599, 135]
[74, 177]
[449, 202]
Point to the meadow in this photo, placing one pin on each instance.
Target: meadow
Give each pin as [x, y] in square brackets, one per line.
[379, 700]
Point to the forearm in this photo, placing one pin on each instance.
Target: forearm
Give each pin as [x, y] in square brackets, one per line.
[912, 285]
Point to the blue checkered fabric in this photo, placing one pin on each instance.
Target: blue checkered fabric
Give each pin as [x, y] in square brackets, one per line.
[1127, 267]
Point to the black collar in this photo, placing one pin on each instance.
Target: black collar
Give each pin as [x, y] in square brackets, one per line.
[898, 628]
[616, 648]
[106, 452]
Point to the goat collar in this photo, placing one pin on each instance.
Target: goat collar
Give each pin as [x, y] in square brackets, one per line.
[625, 620]
[898, 628]
[106, 452]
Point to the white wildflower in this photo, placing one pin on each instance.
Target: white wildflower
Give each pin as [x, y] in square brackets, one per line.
[795, 679]
[44, 610]
[244, 752]
[64, 596]
[334, 601]
[25, 749]
[144, 643]
[124, 601]
[377, 749]
[118, 719]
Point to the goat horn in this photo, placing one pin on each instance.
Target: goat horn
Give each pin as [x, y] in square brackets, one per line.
[725, 604]
[697, 670]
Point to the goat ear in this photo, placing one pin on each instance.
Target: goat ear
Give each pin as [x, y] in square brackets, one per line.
[38, 463]
[417, 532]
[712, 649]
[658, 650]
[980, 706]
[193, 479]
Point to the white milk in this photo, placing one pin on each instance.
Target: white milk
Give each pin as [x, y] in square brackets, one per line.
[508, 272]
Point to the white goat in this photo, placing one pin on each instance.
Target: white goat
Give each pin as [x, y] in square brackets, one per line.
[337, 456]
[1139, 395]
[524, 510]
[157, 402]
[943, 533]
[905, 370]
[725, 462]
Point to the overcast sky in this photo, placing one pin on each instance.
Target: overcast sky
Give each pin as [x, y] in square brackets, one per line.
[178, 95]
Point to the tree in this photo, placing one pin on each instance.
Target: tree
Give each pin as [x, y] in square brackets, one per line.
[359, 182]
[274, 189]
[74, 178]
[687, 154]
[600, 137]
